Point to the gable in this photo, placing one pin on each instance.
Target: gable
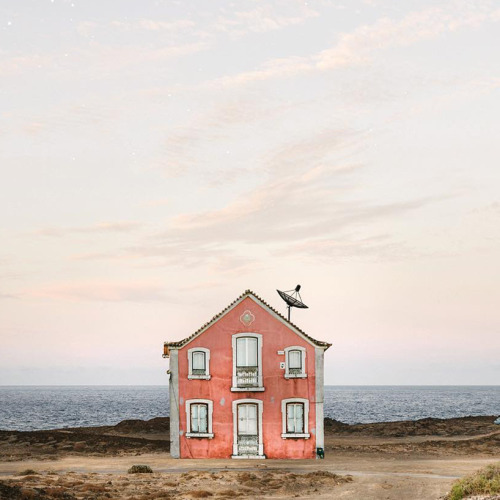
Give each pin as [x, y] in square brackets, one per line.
[266, 307]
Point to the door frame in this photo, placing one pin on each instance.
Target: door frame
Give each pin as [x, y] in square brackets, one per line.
[260, 411]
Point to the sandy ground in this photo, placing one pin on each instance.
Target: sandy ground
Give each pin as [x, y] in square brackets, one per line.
[405, 460]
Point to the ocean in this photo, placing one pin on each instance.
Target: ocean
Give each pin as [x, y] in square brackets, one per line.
[50, 407]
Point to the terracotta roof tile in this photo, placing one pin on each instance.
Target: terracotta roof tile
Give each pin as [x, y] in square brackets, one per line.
[183, 342]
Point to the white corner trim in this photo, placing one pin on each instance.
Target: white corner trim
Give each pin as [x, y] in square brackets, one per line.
[260, 410]
[303, 354]
[284, 402]
[234, 385]
[319, 363]
[174, 405]
[190, 363]
[210, 404]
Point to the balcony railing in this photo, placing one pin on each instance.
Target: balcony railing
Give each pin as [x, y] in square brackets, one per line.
[247, 376]
[248, 445]
[295, 371]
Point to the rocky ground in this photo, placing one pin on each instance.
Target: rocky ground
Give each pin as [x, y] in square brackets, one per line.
[392, 460]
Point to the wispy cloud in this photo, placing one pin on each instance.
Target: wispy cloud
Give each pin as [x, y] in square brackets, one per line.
[261, 19]
[357, 47]
[313, 211]
[102, 291]
[101, 227]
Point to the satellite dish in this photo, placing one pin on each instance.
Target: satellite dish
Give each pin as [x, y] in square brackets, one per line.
[292, 299]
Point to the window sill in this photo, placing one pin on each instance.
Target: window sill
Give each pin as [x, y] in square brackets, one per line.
[295, 436]
[208, 435]
[299, 375]
[247, 389]
[199, 377]
[249, 456]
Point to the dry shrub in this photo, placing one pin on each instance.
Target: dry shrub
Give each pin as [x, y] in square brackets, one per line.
[95, 488]
[27, 494]
[27, 472]
[169, 483]
[201, 494]
[228, 493]
[80, 445]
[57, 493]
[140, 469]
[246, 476]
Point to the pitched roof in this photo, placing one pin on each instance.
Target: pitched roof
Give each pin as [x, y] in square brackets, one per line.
[256, 298]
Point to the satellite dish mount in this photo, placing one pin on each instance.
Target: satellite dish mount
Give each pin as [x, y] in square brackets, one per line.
[292, 299]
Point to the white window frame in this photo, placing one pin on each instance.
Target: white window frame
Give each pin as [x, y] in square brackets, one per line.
[287, 368]
[192, 376]
[260, 411]
[210, 411]
[234, 385]
[289, 435]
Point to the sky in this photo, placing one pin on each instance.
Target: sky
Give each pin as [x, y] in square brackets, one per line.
[158, 158]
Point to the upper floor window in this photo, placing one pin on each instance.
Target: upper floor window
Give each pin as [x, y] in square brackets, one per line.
[247, 362]
[295, 362]
[199, 363]
[199, 418]
[295, 418]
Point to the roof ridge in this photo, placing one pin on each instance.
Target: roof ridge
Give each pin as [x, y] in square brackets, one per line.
[182, 342]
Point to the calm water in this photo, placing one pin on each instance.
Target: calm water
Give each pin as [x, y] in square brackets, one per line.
[49, 407]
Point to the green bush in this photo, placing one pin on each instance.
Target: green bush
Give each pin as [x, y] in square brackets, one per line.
[140, 469]
[485, 481]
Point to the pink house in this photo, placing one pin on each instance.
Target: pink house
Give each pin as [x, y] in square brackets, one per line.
[247, 384]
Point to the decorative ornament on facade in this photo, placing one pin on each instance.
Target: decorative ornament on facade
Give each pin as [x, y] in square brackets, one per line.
[247, 318]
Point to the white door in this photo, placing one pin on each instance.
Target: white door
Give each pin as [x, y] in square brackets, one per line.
[248, 429]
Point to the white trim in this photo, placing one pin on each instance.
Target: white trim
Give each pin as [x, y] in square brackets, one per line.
[260, 410]
[234, 384]
[303, 354]
[210, 405]
[190, 363]
[265, 307]
[305, 434]
[319, 364]
[174, 405]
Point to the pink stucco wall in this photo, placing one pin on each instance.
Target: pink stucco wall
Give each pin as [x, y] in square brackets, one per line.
[218, 338]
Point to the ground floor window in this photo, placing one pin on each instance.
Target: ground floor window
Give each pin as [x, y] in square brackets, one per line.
[199, 418]
[295, 417]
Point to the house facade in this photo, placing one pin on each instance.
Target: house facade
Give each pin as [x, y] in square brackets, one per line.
[248, 384]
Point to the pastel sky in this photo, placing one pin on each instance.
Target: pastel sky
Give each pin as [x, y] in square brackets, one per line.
[160, 157]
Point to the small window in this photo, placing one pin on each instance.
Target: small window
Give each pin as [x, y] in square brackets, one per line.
[199, 418]
[295, 362]
[199, 363]
[295, 418]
